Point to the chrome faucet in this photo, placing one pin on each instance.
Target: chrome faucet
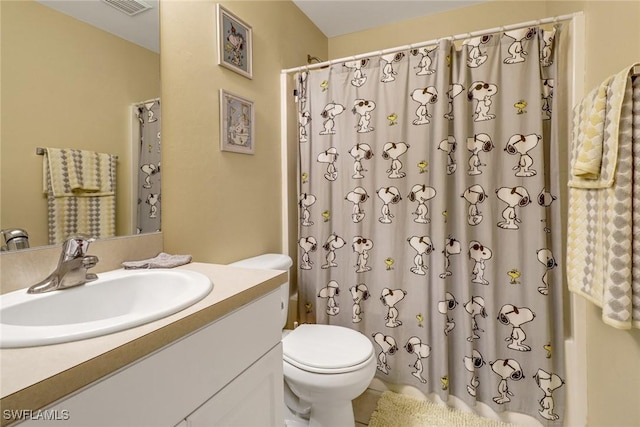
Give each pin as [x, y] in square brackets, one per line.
[72, 267]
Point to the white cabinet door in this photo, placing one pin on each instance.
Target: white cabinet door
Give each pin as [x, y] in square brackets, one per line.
[253, 399]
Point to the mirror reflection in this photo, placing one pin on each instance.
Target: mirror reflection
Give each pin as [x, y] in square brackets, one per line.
[69, 84]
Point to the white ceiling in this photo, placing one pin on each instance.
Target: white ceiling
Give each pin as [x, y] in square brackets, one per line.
[336, 18]
[332, 17]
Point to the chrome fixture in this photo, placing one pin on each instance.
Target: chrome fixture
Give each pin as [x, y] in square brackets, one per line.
[72, 267]
[14, 239]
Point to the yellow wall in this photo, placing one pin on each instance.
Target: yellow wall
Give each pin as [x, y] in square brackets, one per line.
[65, 84]
[222, 206]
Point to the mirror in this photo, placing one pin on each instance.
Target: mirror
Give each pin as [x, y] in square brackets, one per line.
[69, 84]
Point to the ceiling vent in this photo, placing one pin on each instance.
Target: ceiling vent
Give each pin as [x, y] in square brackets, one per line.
[130, 7]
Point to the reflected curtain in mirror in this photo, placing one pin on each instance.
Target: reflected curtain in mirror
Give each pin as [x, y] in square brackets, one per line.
[149, 176]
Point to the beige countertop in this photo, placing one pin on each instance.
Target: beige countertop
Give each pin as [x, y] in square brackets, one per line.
[34, 377]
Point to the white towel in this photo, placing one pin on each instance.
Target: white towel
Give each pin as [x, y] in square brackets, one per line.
[162, 260]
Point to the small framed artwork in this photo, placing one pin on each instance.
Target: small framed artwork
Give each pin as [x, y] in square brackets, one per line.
[237, 119]
[234, 43]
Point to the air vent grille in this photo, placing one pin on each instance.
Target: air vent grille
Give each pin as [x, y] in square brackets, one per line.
[130, 7]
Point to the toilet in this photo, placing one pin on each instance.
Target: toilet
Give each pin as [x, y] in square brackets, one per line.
[325, 366]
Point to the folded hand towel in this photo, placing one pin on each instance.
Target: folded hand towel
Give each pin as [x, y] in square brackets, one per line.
[162, 260]
[590, 118]
[596, 129]
[79, 172]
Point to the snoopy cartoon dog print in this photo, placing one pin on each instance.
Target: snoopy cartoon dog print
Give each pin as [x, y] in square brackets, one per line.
[359, 78]
[330, 292]
[359, 293]
[423, 246]
[513, 197]
[388, 347]
[389, 298]
[481, 92]
[308, 245]
[362, 246]
[388, 195]
[424, 96]
[471, 363]
[305, 201]
[521, 145]
[444, 307]
[516, 317]
[363, 109]
[421, 194]
[506, 369]
[415, 346]
[329, 156]
[329, 113]
[393, 151]
[548, 382]
[424, 65]
[388, 73]
[357, 196]
[333, 242]
[449, 146]
[360, 152]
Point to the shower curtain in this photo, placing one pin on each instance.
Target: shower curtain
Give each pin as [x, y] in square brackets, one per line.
[148, 114]
[430, 219]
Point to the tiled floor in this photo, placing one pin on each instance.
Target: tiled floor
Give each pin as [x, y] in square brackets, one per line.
[364, 405]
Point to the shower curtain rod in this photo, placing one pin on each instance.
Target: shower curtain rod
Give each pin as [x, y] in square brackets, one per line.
[553, 20]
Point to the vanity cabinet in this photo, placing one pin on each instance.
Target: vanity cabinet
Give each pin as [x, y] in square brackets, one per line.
[227, 373]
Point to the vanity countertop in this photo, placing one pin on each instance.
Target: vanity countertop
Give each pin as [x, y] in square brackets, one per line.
[34, 377]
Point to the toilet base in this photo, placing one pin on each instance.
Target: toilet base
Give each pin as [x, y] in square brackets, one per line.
[330, 415]
[326, 414]
[338, 414]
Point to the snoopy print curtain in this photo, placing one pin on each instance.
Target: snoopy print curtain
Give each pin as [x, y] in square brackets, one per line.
[149, 176]
[430, 219]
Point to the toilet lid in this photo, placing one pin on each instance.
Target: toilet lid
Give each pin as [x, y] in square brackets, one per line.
[326, 348]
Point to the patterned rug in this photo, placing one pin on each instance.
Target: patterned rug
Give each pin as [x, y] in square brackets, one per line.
[395, 409]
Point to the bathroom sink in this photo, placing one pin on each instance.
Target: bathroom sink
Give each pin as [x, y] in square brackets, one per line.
[118, 300]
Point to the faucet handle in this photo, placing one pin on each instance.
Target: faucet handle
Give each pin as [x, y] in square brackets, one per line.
[77, 246]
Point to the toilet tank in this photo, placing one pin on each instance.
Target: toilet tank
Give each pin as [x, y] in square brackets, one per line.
[272, 262]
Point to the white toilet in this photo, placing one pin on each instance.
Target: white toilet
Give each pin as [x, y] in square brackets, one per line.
[325, 367]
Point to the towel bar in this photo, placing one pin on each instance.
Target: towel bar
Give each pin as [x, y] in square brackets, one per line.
[41, 151]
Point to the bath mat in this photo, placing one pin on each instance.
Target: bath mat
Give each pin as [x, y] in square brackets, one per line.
[395, 409]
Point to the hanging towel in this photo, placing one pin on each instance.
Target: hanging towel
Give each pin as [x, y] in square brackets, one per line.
[589, 122]
[80, 172]
[80, 187]
[600, 264]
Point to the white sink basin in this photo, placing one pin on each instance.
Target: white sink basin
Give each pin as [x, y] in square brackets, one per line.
[118, 300]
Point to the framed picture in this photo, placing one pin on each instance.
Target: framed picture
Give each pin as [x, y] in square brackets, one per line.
[237, 119]
[234, 43]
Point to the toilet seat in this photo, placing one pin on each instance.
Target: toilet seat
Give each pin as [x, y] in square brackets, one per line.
[326, 349]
